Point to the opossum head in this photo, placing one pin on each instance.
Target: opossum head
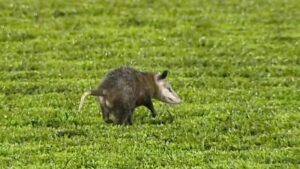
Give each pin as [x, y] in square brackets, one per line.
[165, 92]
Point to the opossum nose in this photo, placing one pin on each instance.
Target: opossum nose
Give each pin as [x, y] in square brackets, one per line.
[178, 101]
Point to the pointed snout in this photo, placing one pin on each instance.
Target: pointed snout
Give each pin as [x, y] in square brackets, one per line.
[177, 101]
[173, 100]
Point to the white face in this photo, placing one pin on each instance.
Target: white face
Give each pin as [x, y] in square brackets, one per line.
[166, 93]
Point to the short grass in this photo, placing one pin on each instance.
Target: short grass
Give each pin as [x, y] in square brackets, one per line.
[235, 64]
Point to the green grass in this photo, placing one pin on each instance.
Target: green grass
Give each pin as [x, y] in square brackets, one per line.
[235, 64]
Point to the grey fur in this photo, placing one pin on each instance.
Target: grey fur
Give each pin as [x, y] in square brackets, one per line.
[121, 91]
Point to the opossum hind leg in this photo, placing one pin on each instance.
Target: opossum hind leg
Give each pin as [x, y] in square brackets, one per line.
[105, 114]
[124, 117]
[105, 111]
[129, 120]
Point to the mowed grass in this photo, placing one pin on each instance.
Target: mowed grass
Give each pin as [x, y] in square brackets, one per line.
[235, 64]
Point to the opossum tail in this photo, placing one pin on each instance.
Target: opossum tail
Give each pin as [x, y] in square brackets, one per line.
[92, 92]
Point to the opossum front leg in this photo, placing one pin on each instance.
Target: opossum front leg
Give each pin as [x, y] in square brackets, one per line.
[150, 106]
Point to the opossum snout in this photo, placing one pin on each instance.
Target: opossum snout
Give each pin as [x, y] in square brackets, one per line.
[175, 100]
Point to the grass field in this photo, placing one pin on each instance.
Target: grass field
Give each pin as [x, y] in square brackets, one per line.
[235, 64]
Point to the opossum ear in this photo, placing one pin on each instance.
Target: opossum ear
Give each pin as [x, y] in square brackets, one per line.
[163, 75]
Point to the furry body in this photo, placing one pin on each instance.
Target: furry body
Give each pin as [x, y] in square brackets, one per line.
[124, 89]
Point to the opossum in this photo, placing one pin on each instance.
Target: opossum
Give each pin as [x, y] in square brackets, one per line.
[123, 89]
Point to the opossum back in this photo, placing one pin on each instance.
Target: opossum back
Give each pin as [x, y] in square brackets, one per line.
[119, 87]
[119, 80]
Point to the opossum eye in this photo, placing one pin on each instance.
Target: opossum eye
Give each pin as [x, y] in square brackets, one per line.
[169, 89]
